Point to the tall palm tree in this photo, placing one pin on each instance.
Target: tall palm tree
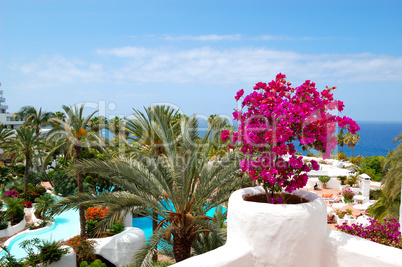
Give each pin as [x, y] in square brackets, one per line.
[34, 118]
[341, 140]
[23, 147]
[141, 128]
[351, 140]
[4, 135]
[73, 134]
[389, 202]
[180, 186]
[97, 123]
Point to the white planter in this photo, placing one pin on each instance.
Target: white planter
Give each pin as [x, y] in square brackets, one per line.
[275, 230]
[266, 235]
[11, 230]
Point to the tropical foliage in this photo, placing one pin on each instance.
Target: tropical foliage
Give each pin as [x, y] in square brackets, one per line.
[73, 133]
[387, 205]
[23, 147]
[179, 185]
[351, 140]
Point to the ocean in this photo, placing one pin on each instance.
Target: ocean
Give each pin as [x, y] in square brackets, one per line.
[376, 139]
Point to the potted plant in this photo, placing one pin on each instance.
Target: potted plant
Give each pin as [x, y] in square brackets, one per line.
[277, 115]
[340, 216]
[348, 195]
[342, 179]
[353, 180]
[349, 213]
[324, 180]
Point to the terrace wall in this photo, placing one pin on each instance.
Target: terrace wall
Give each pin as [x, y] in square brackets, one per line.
[261, 234]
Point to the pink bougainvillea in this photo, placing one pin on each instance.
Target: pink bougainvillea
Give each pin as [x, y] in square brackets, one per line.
[275, 115]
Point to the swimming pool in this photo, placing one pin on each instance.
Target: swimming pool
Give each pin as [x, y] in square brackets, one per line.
[145, 223]
[66, 225]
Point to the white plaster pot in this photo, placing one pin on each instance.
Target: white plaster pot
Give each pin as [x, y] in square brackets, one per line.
[279, 234]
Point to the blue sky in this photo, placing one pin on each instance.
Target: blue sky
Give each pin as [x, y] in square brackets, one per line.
[195, 55]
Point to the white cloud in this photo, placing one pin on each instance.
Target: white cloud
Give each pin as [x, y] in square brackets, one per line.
[213, 66]
[209, 65]
[210, 37]
[58, 69]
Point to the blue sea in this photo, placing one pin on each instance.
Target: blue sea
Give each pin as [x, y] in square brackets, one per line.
[376, 139]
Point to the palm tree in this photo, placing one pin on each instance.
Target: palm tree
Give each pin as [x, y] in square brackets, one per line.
[180, 186]
[34, 118]
[385, 207]
[73, 134]
[23, 147]
[341, 140]
[141, 128]
[4, 135]
[389, 202]
[97, 124]
[351, 140]
[43, 203]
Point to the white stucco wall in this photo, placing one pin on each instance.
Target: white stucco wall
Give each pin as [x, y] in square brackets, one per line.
[121, 248]
[261, 234]
[12, 230]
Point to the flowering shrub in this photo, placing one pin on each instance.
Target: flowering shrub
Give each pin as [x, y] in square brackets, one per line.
[348, 195]
[95, 213]
[27, 204]
[83, 248]
[277, 115]
[386, 234]
[11, 193]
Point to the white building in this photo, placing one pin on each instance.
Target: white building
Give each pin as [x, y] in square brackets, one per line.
[6, 118]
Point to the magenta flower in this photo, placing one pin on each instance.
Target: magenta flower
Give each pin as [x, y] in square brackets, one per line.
[225, 135]
[276, 114]
[239, 94]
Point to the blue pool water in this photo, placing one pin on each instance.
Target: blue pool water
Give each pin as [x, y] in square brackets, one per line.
[65, 226]
[145, 223]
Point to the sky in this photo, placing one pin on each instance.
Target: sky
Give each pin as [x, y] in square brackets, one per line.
[195, 55]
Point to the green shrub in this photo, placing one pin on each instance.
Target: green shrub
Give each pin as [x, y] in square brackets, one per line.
[35, 177]
[324, 179]
[341, 156]
[43, 204]
[375, 194]
[9, 260]
[51, 251]
[117, 227]
[96, 263]
[90, 227]
[64, 184]
[3, 220]
[343, 179]
[18, 170]
[30, 247]
[15, 210]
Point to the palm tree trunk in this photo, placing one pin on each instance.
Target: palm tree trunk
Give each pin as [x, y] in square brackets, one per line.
[43, 168]
[154, 226]
[181, 247]
[80, 189]
[352, 151]
[27, 167]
